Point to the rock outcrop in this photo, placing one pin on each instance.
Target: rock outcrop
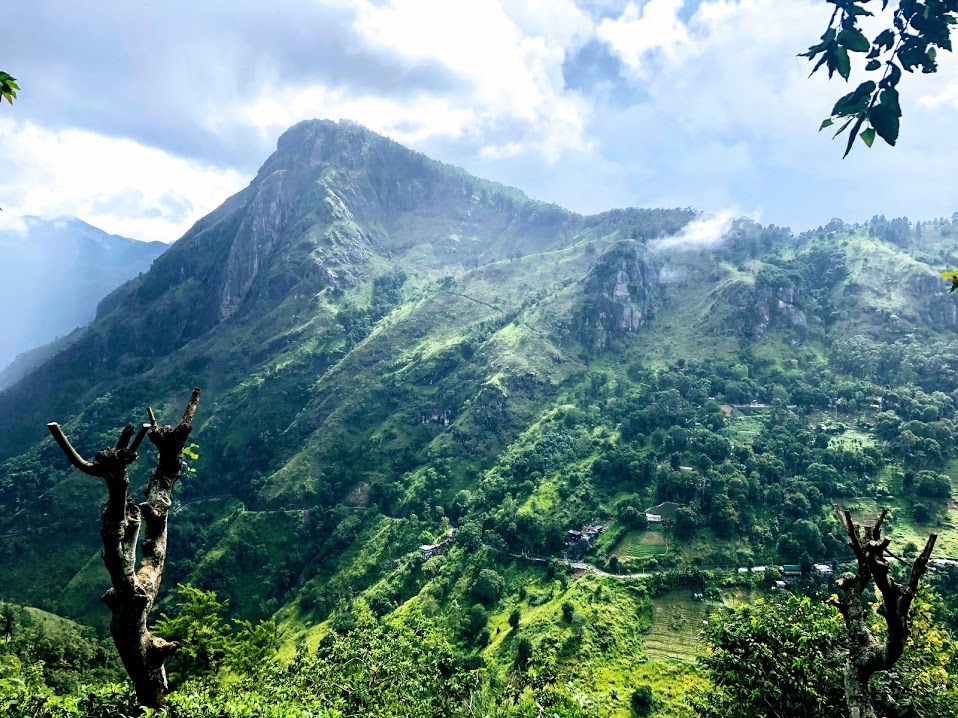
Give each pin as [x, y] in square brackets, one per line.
[619, 296]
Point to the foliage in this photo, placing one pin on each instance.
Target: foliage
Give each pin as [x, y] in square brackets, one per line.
[61, 653]
[207, 644]
[785, 657]
[8, 87]
[377, 670]
[781, 658]
[488, 586]
[909, 40]
[642, 702]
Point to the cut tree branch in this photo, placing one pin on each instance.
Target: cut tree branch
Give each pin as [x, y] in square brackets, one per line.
[866, 654]
[133, 591]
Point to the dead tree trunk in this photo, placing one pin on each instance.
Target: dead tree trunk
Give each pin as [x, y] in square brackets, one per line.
[134, 590]
[866, 654]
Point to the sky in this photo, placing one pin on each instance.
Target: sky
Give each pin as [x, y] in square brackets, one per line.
[141, 117]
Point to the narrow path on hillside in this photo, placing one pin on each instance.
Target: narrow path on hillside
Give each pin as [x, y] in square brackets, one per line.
[205, 499]
[473, 299]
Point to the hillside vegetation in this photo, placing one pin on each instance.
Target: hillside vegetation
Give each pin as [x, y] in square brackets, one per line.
[394, 353]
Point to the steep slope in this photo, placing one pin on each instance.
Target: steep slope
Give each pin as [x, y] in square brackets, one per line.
[54, 273]
[351, 292]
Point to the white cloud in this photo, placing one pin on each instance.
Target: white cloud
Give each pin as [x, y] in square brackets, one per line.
[115, 184]
[668, 103]
[945, 96]
[408, 120]
[507, 72]
[644, 29]
[701, 233]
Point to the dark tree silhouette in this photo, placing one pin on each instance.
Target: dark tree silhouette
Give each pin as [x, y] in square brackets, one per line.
[866, 654]
[133, 589]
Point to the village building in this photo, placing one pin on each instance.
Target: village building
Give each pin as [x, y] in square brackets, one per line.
[581, 539]
[432, 549]
[429, 550]
[664, 511]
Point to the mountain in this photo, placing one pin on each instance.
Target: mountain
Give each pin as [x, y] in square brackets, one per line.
[55, 272]
[390, 347]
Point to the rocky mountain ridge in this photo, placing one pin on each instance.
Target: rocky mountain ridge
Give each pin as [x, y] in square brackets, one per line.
[356, 287]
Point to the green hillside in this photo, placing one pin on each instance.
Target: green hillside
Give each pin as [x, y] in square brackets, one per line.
[390, 349]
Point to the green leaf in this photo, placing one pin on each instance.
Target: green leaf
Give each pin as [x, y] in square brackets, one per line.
[885, 122]
[894, 75]
[854, 40]
[872, 65]
[855, 101]
[842, 63]
[885, 39]
[852, 134]
[827, 38]
[889, 98]
[826, 123]
[868, 136]
[843, 127]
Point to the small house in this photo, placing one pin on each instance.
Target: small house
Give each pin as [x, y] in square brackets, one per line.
[823, 570]
[791, 569]
[430, 550]
[779, 584]
[653, 518]
[666, 510]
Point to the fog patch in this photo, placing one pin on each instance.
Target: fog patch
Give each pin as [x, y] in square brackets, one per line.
[704, 233]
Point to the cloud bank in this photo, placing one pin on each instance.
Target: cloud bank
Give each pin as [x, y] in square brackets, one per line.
[590, 104]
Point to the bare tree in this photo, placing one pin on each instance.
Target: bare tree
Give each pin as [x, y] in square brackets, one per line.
[866, 654]
[134, 590]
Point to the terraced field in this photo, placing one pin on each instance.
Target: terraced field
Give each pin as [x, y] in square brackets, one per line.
[641, 544]
[677, 622]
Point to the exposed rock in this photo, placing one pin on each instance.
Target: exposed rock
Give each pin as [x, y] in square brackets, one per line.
[619, 295]
[760, 309]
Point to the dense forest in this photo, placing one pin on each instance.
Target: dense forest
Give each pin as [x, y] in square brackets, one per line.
[465, 453]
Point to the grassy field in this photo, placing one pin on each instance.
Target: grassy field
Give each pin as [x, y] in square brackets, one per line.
[677, 621]
[641, 544]
[743, 428]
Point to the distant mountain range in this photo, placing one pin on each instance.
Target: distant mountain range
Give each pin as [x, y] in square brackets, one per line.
[52, 277]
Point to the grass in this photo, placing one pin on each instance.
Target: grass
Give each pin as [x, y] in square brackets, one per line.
[677, 622]
[742, 428]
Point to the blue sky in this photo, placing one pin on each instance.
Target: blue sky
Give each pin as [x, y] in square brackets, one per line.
[142, 117]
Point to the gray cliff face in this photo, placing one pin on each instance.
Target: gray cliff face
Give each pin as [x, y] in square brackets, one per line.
[261, 229]
[620, 296]
[936, 305]
[767, 308]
